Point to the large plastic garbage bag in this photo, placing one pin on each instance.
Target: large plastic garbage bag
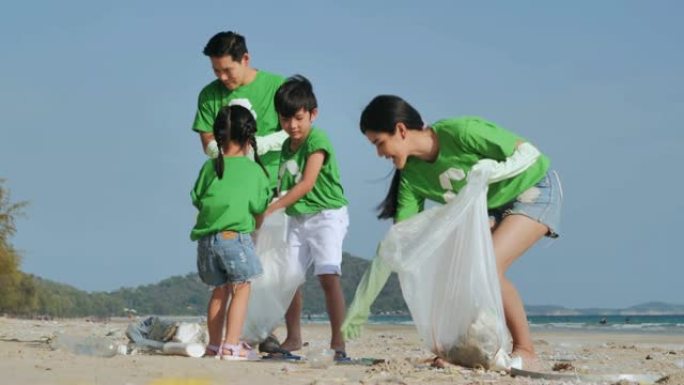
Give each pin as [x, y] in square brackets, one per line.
[273, 291]
[445, 261]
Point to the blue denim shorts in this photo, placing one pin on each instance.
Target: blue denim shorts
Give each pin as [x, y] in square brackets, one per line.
[541, 202]
[227, 257]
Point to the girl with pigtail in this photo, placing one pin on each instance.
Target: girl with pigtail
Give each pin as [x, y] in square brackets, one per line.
[231, 193]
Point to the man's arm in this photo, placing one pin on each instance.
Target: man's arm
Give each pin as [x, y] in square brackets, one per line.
[270, 142]
[209, 145]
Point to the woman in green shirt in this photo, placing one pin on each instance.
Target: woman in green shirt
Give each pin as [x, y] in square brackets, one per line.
[524, 197]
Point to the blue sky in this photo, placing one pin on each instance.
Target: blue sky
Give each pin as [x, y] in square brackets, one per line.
[96, 103]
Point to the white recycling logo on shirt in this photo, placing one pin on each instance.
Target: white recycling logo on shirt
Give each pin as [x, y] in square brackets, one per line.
[445, 178]
[291, 167]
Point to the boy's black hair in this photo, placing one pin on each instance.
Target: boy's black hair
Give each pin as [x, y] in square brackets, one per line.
[226, 44]
[293, 95]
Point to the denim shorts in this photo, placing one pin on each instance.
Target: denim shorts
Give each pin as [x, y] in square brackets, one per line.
[541, 202]
[227, 257]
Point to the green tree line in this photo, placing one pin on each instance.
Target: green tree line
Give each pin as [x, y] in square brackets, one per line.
[17, 290]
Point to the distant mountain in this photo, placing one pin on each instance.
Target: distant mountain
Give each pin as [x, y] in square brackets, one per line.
[655, 307]
[390, 300]
[60, 300]
[187, 295]
[648, 308]
[550, 310]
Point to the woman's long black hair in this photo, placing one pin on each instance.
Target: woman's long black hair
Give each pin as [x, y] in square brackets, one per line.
[382, 115]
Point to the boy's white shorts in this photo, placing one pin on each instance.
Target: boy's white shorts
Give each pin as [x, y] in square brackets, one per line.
[317, 238]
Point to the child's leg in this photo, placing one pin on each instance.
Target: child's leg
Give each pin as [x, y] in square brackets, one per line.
[512, 237]
[334, 302]
[216, 314]
[241, 265]
[328, 231]
[237, 312]
[293, 341]
[300, 258]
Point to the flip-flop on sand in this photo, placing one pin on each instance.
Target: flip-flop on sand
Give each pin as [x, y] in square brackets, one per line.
[341, 356]
[280, 354]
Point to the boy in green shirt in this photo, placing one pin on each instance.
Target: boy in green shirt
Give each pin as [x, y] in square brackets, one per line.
[236, 79]
[315, 203]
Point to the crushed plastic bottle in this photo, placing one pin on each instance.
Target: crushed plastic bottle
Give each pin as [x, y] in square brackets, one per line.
[320, 358]
[88, 346]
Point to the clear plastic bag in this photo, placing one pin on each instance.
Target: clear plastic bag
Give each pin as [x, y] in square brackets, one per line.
[447, 270]
[273, 291]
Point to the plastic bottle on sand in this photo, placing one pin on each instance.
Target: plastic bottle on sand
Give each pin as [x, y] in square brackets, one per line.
[189, 349]
[88, 346]
[320, 358]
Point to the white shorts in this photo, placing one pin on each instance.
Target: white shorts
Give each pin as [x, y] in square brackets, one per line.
[317, 238]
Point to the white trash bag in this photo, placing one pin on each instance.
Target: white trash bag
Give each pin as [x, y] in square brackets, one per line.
[447, 270]
[273, 291]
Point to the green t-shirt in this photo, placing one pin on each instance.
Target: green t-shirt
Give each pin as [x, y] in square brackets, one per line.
[327, 193]
[260, 92]
[229, 203]
[462, 143]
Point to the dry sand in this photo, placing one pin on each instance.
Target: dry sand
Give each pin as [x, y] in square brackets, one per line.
[26, 358]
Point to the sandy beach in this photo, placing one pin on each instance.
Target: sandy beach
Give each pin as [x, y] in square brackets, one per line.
[26, 357]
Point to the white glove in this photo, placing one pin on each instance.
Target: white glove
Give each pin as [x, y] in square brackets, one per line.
[522, 158]
[270, 142]
[212, 149]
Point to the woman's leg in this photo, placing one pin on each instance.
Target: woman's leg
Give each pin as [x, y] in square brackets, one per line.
[512, 237]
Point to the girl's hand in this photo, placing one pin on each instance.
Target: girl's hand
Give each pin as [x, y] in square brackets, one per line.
[269, 210]
[259, 221]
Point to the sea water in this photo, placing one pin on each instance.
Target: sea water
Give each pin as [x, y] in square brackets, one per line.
[658, 324]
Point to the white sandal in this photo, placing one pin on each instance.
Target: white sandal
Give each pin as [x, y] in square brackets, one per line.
[236, 352]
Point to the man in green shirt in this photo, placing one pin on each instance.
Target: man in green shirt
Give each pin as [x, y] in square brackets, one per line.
[236, 79]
